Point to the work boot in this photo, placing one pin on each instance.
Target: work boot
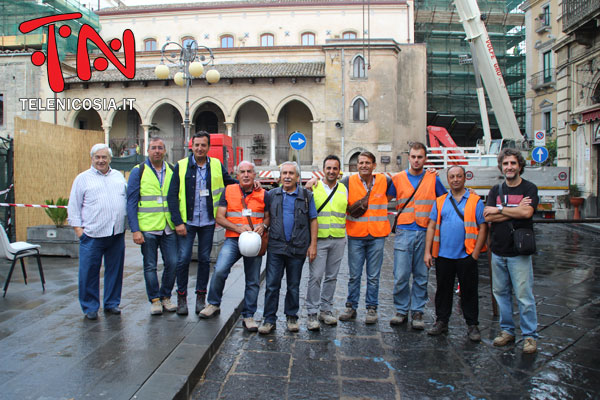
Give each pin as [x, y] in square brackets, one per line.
[250, 324]
[209, 311]
[371, 317]
[529, 346]
[417, 321]
[292, 324]
[348, 314]
[438, 328]
[156, 307]
[200, 302]
[182, 308]
[473, 333]
[168, 305]
[313, 323]
[327, 318]
[266, 328]
[398, 319]
[503, 339]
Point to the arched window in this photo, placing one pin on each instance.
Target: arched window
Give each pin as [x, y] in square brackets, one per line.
[185, 40]
[150, 45]
[226, 41]
[358, 67]
[267, 40]
[359, 110]
[349, 35]
[308, 39]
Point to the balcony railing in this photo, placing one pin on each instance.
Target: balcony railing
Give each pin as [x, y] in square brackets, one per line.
[576, 12]
[543, 79]
[542, 23]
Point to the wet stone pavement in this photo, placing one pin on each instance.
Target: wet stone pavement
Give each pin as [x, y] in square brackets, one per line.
[354, 360]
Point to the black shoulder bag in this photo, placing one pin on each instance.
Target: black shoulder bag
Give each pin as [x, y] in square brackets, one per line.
[523, 238]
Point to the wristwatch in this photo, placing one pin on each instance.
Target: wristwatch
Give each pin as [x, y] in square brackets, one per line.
[266, 227]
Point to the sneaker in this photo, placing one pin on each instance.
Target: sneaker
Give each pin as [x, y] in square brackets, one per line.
[398, 319]
[438, 328]
[92, 315]
[200, 302]
[182, 308]
[371, 317]
[168, 305]
[313, 323]
[503, 339]
[473, 333]
[266, 328]
[292, 324]
[209, 311]
[156, 307]
[348, 314]
[417, 321]
[327, 318]
[529, 346]
[250, 324]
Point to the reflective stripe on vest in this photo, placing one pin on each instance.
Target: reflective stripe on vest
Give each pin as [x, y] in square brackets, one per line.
[255, 201]
[332, 218]
[374, 221]
[418, 209]
[217, 186]
[470, 224]
[152, 214]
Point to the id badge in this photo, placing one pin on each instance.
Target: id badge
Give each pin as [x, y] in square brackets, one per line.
[204, 192]
[159, 199]
[246, 212]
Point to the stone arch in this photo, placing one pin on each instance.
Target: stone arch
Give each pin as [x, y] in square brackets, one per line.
[294, 115]
[351, 158]
[236, 107]
[149, 116]
[86, 119]
[110, 116]
[299, 98]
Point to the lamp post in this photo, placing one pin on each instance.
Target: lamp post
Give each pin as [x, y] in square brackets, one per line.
[191, 62]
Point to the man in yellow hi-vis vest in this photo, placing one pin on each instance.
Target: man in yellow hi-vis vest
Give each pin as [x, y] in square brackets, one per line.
[196, 188]
[151, 224]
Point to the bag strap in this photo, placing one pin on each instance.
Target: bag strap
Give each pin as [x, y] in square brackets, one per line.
[456, 209]
[245, 208]
[328, 198]
[405, 204]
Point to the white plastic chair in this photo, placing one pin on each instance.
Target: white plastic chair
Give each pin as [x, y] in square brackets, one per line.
[18, 251]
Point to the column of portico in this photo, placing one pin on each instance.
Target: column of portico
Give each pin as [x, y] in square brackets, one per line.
[229, 126]
[273, 161]
[107, 135]
[146, 137]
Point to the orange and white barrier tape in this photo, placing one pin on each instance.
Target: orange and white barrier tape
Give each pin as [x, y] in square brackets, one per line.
[30, 205]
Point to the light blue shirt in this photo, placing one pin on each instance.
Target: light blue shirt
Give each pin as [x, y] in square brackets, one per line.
[98, 203]
[201, 217]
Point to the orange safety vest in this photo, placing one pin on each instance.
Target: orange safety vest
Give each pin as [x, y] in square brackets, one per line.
[374, 221]
[471, 227]
[255, 201]
[422, 202]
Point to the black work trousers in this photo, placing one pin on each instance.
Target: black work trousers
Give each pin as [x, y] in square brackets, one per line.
[446, 269]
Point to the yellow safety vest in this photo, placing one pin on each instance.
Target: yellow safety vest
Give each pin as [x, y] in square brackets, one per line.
[332, 218]
[217, 186]
[153, 211]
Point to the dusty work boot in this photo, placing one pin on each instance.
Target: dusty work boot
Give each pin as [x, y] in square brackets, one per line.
[209, 311]
[473, 333]
[529, 346]
[266, 328]
[503, 339]
[438, 328]
[313, 323]
[168, 305]
[417, 321]
[327, 318]
[371, 317]
[182, 308]
[156, 307]
[200, 302]
[348, 314]
[250, 324]
[292, 324]
[398, 319]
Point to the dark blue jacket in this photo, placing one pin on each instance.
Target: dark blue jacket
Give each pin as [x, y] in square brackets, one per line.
[300, 241]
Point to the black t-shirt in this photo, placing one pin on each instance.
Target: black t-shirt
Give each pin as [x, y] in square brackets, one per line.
[502, 241]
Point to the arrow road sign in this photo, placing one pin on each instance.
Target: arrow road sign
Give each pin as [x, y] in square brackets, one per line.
[297, 141]
[539, 154]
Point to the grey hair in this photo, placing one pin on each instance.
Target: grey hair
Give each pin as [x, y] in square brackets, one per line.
[456, 166]
[155, 139]
[294, 163]
[100, 146]
[245, 162]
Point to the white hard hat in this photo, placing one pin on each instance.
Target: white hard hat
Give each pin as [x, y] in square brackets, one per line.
[249, 244]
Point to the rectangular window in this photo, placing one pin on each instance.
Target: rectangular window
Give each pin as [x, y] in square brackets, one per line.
[267, 40]
[149, 45]
[546, 15]
[547, 66]
[227, 41]
[547, 122]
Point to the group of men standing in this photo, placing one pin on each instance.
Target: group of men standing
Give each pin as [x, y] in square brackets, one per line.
[169, 206]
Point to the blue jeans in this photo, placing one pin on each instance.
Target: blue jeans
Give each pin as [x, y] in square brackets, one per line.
[184, 256]
[168, 249]
[277, 264]
[359, 251]
[228, 256]
[409, 250]
[514, 273]
[91, 252]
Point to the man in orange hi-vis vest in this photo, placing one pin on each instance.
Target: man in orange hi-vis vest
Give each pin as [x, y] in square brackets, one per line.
[416, 191]
[456, 236]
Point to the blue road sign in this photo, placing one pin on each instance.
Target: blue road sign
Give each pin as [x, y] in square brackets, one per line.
[297, 141]
[539, 154]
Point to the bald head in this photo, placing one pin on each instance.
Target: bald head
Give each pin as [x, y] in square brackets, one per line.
[246, 175]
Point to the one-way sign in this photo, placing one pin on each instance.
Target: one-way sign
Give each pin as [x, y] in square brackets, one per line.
[297, 140]
[539, 154]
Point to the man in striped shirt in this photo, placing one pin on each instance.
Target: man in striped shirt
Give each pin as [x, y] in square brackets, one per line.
[97, 214]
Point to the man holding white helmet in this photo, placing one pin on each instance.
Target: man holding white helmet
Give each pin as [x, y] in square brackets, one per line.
[241, 209]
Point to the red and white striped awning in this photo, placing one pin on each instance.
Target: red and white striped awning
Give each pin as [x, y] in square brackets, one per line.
[590, 115]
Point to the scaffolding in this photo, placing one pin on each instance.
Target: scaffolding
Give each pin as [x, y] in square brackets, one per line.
[451, 97]
[14, 12]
